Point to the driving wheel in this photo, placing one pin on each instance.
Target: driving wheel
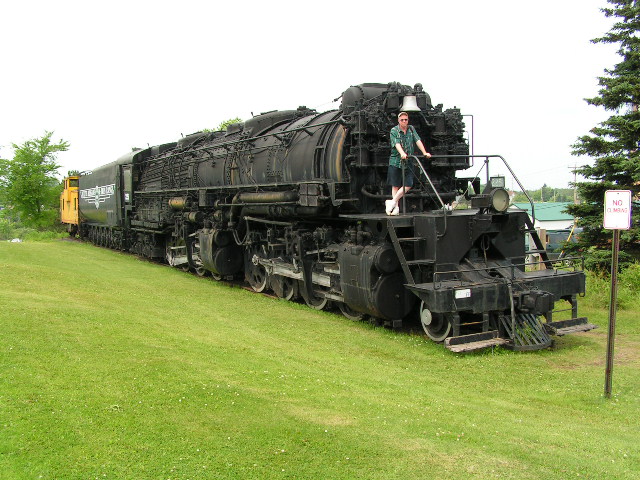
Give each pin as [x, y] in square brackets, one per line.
[256, 275]
[195, 262]
[351, 314]
[284, 287]
[316, 302]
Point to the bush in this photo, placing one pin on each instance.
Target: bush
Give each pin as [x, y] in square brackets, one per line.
[629, 279]
[6, 229]
[38, 236]
[10, 229]
[599, 287]
[600, 261]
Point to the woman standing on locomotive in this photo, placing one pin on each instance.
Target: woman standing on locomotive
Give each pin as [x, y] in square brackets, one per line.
[403, 137]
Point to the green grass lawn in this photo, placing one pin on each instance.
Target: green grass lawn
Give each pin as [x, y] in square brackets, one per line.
[113, 367]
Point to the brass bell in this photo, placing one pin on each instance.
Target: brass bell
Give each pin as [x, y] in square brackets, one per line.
[409, 104]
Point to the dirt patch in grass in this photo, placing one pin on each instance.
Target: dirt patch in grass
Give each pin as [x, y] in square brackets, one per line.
[626, 352]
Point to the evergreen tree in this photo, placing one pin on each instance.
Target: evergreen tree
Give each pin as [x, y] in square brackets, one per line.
[615, 143]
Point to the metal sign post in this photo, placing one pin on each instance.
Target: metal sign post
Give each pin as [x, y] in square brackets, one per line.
[617, 216]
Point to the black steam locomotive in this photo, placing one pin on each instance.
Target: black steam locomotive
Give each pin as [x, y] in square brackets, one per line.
[293, 201]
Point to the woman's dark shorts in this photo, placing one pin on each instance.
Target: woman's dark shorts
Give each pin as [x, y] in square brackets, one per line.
[394, 176]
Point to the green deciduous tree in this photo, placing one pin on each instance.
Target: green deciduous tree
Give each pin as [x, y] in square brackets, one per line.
[28, 186]
[223, 125]
[545, 194]
[614, 143]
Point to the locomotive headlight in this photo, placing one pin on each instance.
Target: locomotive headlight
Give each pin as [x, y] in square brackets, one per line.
[499, 200]
[496, 199]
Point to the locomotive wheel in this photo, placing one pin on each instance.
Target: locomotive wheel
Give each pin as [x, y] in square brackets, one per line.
[288, 288]
[435, 325]
[351, 314]
[193, 255]
[201, 272]
[316, 302]
[283, 287]
[256, 276]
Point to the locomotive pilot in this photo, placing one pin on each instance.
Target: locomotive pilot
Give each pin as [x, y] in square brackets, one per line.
[403, 137]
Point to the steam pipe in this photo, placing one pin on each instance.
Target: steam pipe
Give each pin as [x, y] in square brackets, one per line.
[410, 194]
[258, 197]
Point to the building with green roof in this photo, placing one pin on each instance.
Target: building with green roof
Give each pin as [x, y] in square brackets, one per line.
[549, 215]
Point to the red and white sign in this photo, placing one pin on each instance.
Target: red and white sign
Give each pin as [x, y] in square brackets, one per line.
[617, 209]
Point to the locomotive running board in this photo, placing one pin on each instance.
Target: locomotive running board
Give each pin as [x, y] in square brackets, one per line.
[475, 341]
[565, 327]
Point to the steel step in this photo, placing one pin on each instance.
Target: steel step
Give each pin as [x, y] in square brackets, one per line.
[475, 341]
[565, 327]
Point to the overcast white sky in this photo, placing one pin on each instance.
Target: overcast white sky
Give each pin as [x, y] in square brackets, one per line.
[108, 76]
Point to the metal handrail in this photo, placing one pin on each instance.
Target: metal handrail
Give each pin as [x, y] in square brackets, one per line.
[486, 164]
[489, 268]
[428, 179]
[404, 203]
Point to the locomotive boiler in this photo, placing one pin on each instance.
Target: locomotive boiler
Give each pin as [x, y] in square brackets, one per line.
[293, 202]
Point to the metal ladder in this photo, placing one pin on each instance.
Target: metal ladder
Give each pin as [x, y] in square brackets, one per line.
[397, 242]
[540, 250]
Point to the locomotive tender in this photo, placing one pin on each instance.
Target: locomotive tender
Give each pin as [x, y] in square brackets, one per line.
[293, 201]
